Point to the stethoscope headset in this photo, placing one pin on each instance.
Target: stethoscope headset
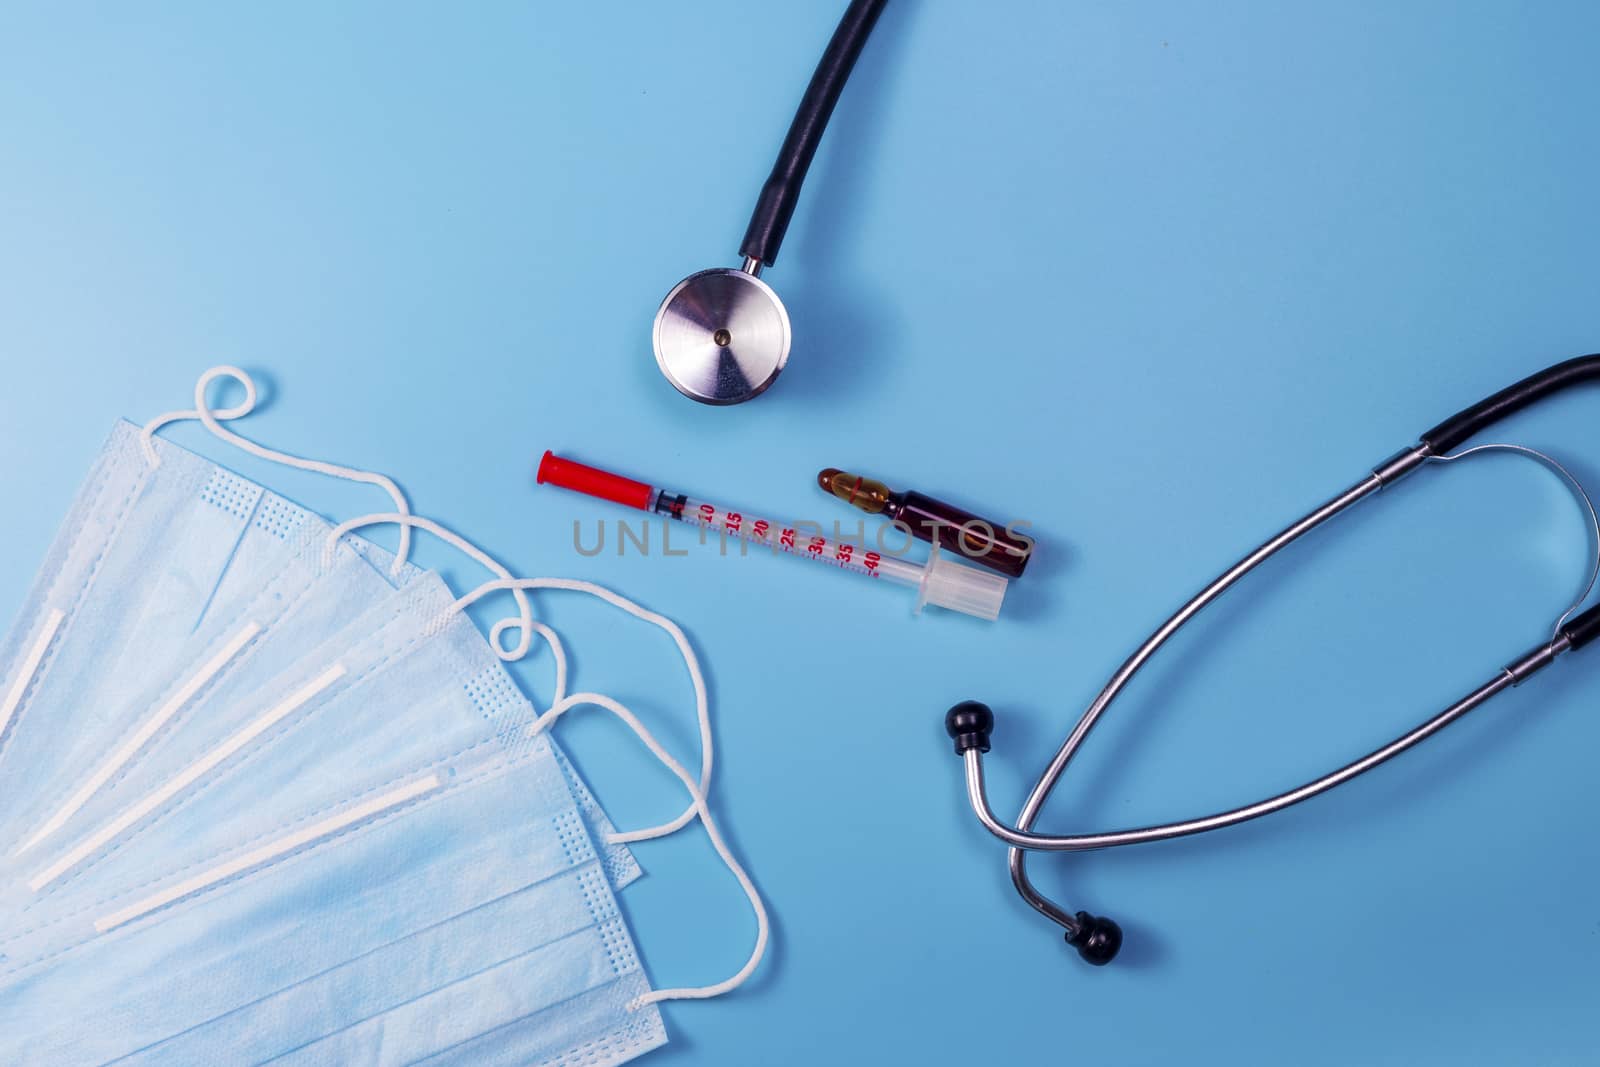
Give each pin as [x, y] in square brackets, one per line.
[970, 723]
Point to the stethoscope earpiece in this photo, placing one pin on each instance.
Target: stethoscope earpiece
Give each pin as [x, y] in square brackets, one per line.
[1097, 939]
[969, 725]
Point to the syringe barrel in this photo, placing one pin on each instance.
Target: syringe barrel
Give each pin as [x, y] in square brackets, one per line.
[795, 539]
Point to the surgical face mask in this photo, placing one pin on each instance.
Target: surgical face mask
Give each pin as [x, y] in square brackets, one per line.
[527, 976]
[472, 847]
[310, 600]
[409, 686]
[452, 1008]
[51, 967]
[149, 553]
[440, 991]
[295, 611]
[511, 981]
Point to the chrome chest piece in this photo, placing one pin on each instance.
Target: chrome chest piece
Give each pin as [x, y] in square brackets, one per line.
[722, 335]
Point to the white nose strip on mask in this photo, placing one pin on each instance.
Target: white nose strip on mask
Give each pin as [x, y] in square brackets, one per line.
[25, 671]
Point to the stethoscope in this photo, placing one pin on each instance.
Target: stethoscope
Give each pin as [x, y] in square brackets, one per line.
[970, 723]
[722, 335]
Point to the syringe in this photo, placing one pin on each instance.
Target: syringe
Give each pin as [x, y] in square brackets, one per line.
[942, 581]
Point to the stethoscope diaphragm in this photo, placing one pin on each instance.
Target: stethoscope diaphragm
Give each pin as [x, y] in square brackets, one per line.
[722, 336]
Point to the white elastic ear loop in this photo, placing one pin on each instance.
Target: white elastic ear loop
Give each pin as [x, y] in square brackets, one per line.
[685, 650]
[523, 620]
[212, 420]
[701, 808]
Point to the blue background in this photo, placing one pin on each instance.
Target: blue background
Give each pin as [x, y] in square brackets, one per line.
[1154, 277]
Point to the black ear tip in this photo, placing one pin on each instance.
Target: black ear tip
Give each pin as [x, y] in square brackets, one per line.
[1098, 939]
[969, 725]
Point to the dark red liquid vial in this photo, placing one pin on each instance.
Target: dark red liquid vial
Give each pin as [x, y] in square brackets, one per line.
[961, 532]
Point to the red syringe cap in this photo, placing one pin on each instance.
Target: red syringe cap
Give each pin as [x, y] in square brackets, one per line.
[593, 481]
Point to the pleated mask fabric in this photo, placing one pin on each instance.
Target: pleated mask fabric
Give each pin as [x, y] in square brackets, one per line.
[211, 962]
[460, 1004]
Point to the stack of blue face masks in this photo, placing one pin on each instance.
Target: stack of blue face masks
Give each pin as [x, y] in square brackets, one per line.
[267, 793]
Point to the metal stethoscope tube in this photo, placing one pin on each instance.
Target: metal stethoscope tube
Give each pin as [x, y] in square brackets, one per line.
[969, 724]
